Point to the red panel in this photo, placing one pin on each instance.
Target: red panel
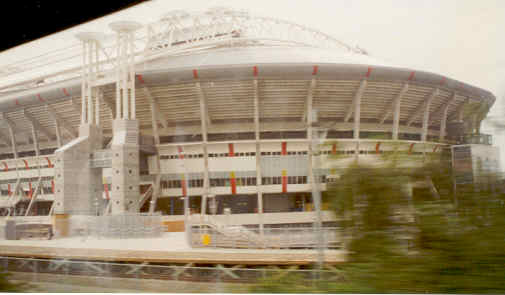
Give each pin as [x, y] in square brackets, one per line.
[141, 80]
[255, 71]
[179, 150]
[195, 74]
[184, 188]
[411, 77]
[52, 187]
[334, 149]
[411, 148]
[369, 72]
[9, 189]
[284, 148]
[49, 164]
[30, 191]
[284, 181]
[40, 98]
[377, 147]
[442, 82]
[314, 71]
[65, 92]
[231, 152]
[17, 102]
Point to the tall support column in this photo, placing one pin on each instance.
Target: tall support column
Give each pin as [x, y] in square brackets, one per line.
[259, 188]
[203, 120]
[443, 119]
[396, 110]
[77, 185]
[426, 115]
[13, 142]
[156, 135]
[125, 142]
[310, 120]
[356, 109]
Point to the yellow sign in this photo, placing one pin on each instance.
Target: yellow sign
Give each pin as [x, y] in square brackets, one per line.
[206, 239]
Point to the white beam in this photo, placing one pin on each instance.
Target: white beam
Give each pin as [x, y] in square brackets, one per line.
[395, 104]
[310, 91]
[37, 124]
[357, 97]
[153, 101]
[443, 119]
[443, 108]
[422, 107]
[258, 154]
[35, 138]
[203, 120]
[426, 115]
[61, 122]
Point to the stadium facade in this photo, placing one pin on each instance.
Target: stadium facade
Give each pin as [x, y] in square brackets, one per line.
[219, 109]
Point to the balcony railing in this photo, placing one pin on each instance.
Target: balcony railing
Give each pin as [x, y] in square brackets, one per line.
[477, 139]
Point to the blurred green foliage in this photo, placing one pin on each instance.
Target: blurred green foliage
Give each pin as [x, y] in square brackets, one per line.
[407, 231]
[9, 286]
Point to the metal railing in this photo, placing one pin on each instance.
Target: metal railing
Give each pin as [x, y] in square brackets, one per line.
[273, 238]
[125, 226]
[477, 139]
[217, 274]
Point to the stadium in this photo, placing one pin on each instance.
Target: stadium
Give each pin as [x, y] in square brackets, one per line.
[220, 113]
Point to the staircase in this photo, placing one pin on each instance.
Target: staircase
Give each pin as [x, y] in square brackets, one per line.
[233, 236]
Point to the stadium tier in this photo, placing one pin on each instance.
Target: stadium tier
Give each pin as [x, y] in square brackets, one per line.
[215, 110]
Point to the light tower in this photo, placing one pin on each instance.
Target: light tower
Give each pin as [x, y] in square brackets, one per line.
[125, 141]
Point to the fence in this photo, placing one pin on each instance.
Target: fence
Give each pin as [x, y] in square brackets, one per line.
[125, 226]
[217, 274]
[277, 238]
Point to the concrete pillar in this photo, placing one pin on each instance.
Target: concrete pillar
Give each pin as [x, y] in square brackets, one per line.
[125, 167]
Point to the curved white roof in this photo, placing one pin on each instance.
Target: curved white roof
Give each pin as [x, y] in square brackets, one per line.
[265, 55]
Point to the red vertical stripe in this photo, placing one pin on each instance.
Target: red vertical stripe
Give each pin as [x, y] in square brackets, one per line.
[411, 148]
[231, 152]
[184, 188]
[314, 70]
[377, 147]
[9, 189]
[195, 74]
[442, 82]
[6, 168]
[334, 149]
[65, 92]
[106, 189]
[141, 80]
[26, 164]
[49, 164]
[284, 148]
[411, 77]
[255, 71]
[369, 72]
[284, 181]
[40, 98]
[179, 150]
[52, 185]
[30, 191]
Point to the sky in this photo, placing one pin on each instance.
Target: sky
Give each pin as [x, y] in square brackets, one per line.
[461, 39]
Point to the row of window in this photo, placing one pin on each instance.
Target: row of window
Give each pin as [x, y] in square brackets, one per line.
[24, 168]
[45, 190]
[243, 181]
[290, 153]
